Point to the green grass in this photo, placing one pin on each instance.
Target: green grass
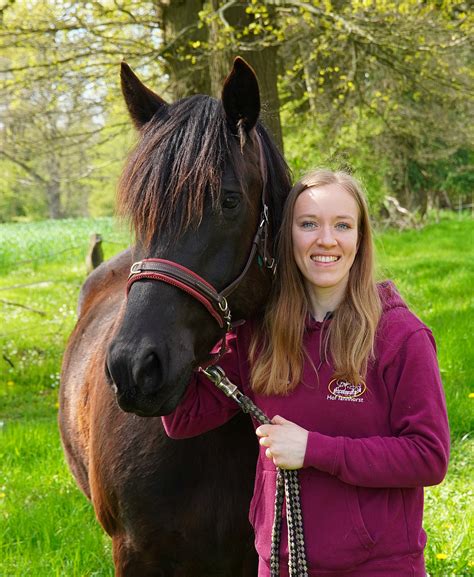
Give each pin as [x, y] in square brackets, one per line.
[47, 527]
[433, 269]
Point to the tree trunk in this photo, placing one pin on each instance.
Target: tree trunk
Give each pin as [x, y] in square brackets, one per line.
[264, 61]
[179, 21]
[53, 189]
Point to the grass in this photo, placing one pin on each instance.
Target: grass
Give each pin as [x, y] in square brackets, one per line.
[47, 528]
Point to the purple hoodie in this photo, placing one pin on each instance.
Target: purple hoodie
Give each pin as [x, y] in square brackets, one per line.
[371, 449]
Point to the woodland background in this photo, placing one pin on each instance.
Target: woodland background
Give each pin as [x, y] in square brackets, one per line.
[383, 87]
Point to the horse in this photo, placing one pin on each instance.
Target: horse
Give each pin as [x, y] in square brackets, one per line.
[193, 190]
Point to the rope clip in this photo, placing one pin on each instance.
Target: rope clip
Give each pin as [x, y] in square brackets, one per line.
[219, 378]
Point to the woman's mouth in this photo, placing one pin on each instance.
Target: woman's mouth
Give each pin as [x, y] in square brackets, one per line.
[324, 258]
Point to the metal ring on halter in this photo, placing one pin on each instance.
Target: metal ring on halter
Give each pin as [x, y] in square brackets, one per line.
[223, 305]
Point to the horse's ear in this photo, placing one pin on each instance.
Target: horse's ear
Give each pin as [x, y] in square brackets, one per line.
[142, 103]
[241, 97]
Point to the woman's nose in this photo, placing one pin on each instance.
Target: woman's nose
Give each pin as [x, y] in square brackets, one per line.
[326, 238]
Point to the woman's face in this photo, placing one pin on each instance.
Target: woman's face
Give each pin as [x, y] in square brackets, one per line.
[325, 236]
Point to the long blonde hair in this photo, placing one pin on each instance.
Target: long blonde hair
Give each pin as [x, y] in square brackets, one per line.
[277, 353]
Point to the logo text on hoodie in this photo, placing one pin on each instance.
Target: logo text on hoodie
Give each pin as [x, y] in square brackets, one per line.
[341, 390]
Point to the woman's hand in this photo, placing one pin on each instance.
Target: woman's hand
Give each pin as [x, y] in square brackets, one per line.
[285, 442]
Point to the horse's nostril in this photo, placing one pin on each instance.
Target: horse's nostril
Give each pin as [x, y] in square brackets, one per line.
[150, 361]
[149, 372]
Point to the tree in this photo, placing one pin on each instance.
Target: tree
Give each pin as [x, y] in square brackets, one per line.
[384, 87]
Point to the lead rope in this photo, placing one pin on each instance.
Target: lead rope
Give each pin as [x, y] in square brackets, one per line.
[287, 487]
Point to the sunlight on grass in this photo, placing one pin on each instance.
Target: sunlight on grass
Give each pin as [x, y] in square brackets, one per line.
[48, 528]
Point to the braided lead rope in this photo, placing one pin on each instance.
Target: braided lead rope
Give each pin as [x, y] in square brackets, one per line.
[276, 528]
[297, 553]
[287, 486]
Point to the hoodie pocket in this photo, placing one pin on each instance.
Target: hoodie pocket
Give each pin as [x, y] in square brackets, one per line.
[353, 506]
[335, 533]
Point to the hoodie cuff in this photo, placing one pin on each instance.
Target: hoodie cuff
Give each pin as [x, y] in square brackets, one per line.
[322, 452]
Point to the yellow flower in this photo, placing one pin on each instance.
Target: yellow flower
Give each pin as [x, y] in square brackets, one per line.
[441, 556]
[10, 383]
[471, 395]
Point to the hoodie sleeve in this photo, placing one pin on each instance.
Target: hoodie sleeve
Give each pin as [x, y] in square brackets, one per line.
[417, 452]
[204, 406]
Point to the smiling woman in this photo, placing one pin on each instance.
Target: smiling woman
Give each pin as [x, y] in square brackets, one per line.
[351, 379]
[326, 268]
[325, 243]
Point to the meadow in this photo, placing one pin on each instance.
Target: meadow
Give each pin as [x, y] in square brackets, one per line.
[47, 527]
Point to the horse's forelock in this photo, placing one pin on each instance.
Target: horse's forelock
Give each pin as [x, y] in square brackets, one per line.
[177, 166]
[174, 168]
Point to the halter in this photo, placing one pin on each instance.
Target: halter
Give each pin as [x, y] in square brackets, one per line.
[191, 283]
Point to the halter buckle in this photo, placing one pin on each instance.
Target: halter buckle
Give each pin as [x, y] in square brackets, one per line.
[136, 267]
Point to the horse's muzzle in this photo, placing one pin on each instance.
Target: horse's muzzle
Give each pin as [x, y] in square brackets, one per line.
[143, 383]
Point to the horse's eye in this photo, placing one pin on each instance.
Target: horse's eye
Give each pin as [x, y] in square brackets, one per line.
[230, 201]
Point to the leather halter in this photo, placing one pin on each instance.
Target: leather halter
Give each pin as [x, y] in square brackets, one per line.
[188, 281]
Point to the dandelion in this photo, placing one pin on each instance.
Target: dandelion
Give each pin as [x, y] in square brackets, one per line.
[471, 395]
[10, 383]
[441, 556]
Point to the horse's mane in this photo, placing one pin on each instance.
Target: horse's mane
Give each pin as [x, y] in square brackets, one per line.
[177, 165]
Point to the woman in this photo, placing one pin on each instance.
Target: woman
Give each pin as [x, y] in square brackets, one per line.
[351, 380]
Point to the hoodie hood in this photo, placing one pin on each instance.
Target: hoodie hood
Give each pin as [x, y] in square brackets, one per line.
[389, 296]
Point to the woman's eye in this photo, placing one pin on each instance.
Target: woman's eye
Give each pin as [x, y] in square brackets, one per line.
[342, 226]
[308, 224]
[230, 201]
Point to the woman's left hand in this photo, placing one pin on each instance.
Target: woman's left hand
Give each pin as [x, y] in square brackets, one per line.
[285, 442]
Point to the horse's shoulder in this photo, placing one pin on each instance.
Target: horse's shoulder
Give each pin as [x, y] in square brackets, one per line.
[106, 279]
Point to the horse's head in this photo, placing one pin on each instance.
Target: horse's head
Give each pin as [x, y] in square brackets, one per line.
[194, 188]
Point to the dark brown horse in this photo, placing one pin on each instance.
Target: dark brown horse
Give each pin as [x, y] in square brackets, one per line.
[193, 190]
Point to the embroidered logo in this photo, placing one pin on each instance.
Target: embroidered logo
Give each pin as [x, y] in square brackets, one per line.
[344, 391]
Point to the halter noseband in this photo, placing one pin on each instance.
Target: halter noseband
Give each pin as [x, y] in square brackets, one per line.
[188, 281]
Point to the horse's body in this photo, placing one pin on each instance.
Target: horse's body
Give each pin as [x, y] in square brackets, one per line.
[172, 508]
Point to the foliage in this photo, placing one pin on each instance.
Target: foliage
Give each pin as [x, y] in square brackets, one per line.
[393, 76]
[308, 147]
[62, 122]
[388, 84]
[48, 528]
